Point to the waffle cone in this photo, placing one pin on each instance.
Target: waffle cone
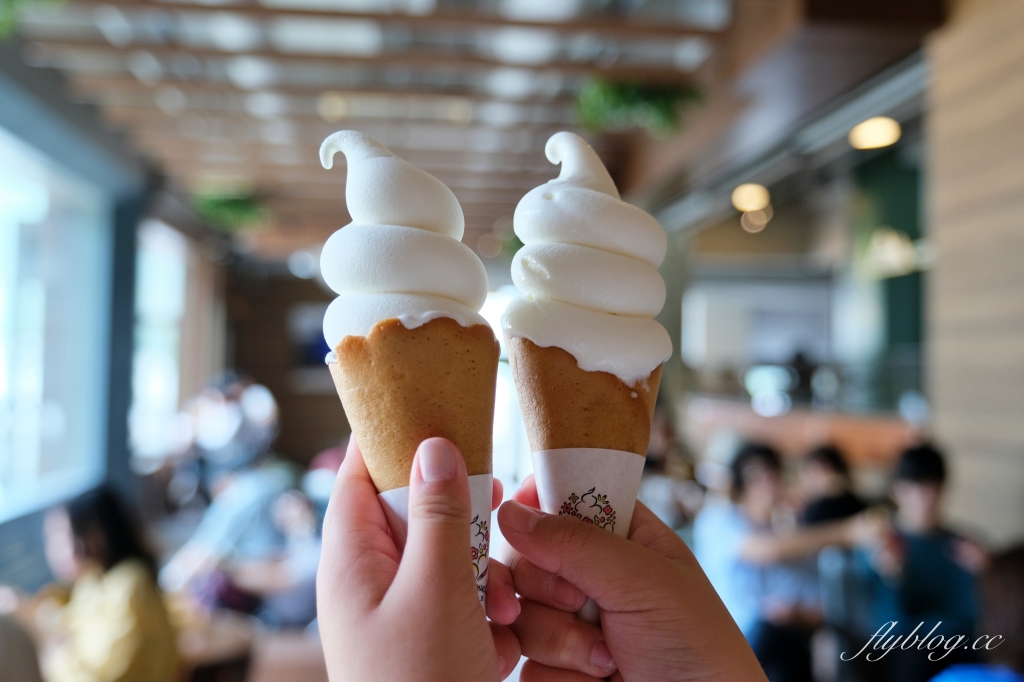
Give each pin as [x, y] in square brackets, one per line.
[401, 386]
[567, 407]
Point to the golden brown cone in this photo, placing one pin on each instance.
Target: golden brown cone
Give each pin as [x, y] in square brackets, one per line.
[567, 407]
[401, 386]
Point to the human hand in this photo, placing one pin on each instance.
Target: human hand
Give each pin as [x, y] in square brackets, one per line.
[388, 615]
[888, 555]
[869, 528]
[970, 555]
[660, 617]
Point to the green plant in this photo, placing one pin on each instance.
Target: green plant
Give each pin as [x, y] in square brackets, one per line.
[231, 213]
[607, 106]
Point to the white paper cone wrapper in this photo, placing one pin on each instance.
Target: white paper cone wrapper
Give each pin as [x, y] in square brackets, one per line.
[396, 508]
[594, 485]
[597, 486]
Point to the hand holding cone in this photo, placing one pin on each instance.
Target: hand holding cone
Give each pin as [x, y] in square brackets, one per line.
[412, 357]
[585, 350]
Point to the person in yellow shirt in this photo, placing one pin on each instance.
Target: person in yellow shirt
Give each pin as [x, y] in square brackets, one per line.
[114, 627]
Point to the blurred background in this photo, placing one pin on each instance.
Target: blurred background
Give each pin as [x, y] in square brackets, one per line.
[842, 185]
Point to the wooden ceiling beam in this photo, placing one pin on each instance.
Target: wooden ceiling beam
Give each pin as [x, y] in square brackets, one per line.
[536, 175]
[146, 111]
[619, 28]
[282, 186]
[512, 157]
[286, 182]
[500, 160]
[307, 171]
[332, 184]
[407, 149]
[65, 51]
[88, 83]
[517, 149]
[313, 125]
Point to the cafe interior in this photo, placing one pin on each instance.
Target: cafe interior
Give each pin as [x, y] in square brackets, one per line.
[841, 185]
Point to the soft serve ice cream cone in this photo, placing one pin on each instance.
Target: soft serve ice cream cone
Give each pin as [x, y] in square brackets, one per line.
[412, 357]
[585, 350]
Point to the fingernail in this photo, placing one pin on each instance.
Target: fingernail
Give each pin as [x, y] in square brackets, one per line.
[601, 657]
[520, 518]
[437, 460]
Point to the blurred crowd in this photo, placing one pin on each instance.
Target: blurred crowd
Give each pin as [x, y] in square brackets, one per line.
[808, 568]
[812, 572]
[132, 604]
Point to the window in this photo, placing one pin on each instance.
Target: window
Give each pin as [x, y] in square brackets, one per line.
[54, 317]
[160, 287]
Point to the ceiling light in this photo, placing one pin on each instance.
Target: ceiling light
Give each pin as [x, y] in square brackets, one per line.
[329, 36]
[880, 131]
[501, 114]
[750, 197]
[755, 221]
[232, 32]
[250, 73]
[145, 67]
[525, 45]
[332, 106]
[713, 15]
[459, 110]
[266, 104]
[689, 53]
[510, 83]
[171, 100]
[541, 10]
[114, 27]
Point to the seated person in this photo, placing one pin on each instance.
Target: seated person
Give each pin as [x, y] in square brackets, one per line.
[112, 626]
[1002, 599]
[925, 573]
[763, 576]
[238, 524]
[285, 582]
[825, 483]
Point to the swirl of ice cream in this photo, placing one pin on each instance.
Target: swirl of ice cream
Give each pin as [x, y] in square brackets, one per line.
[588, 271]
[400, 257]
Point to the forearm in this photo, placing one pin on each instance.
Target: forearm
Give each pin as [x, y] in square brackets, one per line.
[766, 549]
[262, 577]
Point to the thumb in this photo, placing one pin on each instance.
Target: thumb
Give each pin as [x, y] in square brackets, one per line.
[437, 549]
[604, 566]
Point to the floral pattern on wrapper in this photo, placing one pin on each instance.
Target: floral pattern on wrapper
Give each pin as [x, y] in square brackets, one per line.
[479, 553]
[590, 507]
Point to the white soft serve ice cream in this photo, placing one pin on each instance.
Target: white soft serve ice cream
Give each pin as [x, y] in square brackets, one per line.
[400, 257]
[588, 271]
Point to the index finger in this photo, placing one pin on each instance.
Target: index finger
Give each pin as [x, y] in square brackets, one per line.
[596, 561]
[359, 557]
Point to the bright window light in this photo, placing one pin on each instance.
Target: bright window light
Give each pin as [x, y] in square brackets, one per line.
[54, 317]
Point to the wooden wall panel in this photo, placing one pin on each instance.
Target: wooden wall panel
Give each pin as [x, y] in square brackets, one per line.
[976, 289]
[257, 310]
